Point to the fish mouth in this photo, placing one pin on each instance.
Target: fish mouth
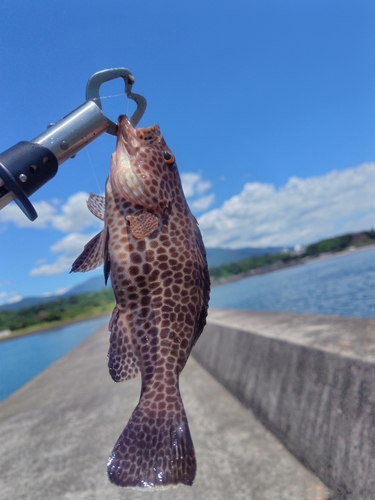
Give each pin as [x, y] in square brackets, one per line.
[127, 135]
[133, 138]
[127, 175]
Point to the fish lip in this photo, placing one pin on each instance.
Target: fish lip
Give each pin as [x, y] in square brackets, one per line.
[128, 136]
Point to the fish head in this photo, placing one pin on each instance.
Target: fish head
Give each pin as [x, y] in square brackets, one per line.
[143, 169]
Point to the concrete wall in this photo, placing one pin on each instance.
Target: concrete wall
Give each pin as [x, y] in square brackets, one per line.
[310, 380]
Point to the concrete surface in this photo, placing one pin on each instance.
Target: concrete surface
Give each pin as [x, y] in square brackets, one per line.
[57, 432]
[311, 380]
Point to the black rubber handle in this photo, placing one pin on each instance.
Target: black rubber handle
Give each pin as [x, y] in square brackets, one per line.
[24, 168]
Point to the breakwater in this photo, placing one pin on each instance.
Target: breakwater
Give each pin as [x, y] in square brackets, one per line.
[57, 431]
[309, 379]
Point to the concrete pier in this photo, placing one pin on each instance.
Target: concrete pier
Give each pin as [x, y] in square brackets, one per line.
[310, 380]
[57, 432]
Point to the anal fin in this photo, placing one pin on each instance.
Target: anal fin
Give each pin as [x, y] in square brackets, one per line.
[123, 363]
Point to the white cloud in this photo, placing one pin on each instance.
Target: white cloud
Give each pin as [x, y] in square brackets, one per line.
[12, 213]
[58, 291]
[9, 297]
[188, 180]
[70, 246]
[302, 211]
[60, 265]
[75, 215]
[193, 185]
[62, 290]
[15, 298]
[71, 216]
[203, 203]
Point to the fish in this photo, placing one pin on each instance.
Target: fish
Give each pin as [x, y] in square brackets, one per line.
[152, 250]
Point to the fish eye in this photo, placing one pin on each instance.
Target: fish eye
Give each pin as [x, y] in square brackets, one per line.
[168, 157]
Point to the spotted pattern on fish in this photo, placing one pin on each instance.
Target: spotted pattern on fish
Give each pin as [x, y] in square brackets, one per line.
[154, 254]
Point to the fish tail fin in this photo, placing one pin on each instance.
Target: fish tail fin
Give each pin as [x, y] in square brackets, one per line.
[155, 450]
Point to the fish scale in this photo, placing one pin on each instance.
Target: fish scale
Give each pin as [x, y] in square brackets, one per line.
[153, 251]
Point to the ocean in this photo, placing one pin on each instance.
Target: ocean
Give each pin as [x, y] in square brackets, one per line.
[22, 358]
[341, 285]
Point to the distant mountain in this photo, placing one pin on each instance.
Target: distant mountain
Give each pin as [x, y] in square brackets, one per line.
[91, 285]
[218, 256]
[215, 257]
[27, 302]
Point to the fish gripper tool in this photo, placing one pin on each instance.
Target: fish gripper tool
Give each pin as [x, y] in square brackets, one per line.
[28, 165]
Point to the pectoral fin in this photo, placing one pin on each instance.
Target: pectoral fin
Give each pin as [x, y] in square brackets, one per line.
[92, 255]
[142, 224]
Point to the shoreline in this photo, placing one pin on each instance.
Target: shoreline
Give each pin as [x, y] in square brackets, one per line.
[280, 266]
[54, 326]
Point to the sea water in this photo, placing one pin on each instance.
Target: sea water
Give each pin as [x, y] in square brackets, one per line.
[343, 285]
[24, 357]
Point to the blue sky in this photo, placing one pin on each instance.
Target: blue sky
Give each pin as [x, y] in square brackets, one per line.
[268, 106]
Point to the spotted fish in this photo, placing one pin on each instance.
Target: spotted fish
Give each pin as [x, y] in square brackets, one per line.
[152, 249]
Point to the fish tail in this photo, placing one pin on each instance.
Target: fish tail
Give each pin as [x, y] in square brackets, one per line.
[155, 450]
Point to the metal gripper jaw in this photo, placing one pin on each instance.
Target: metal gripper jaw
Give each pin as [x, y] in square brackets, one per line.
[28, 165]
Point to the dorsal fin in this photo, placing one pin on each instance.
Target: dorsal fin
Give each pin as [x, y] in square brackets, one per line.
[96, 205]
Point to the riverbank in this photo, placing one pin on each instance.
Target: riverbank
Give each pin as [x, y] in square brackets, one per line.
[53, 325]
[285, 265]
